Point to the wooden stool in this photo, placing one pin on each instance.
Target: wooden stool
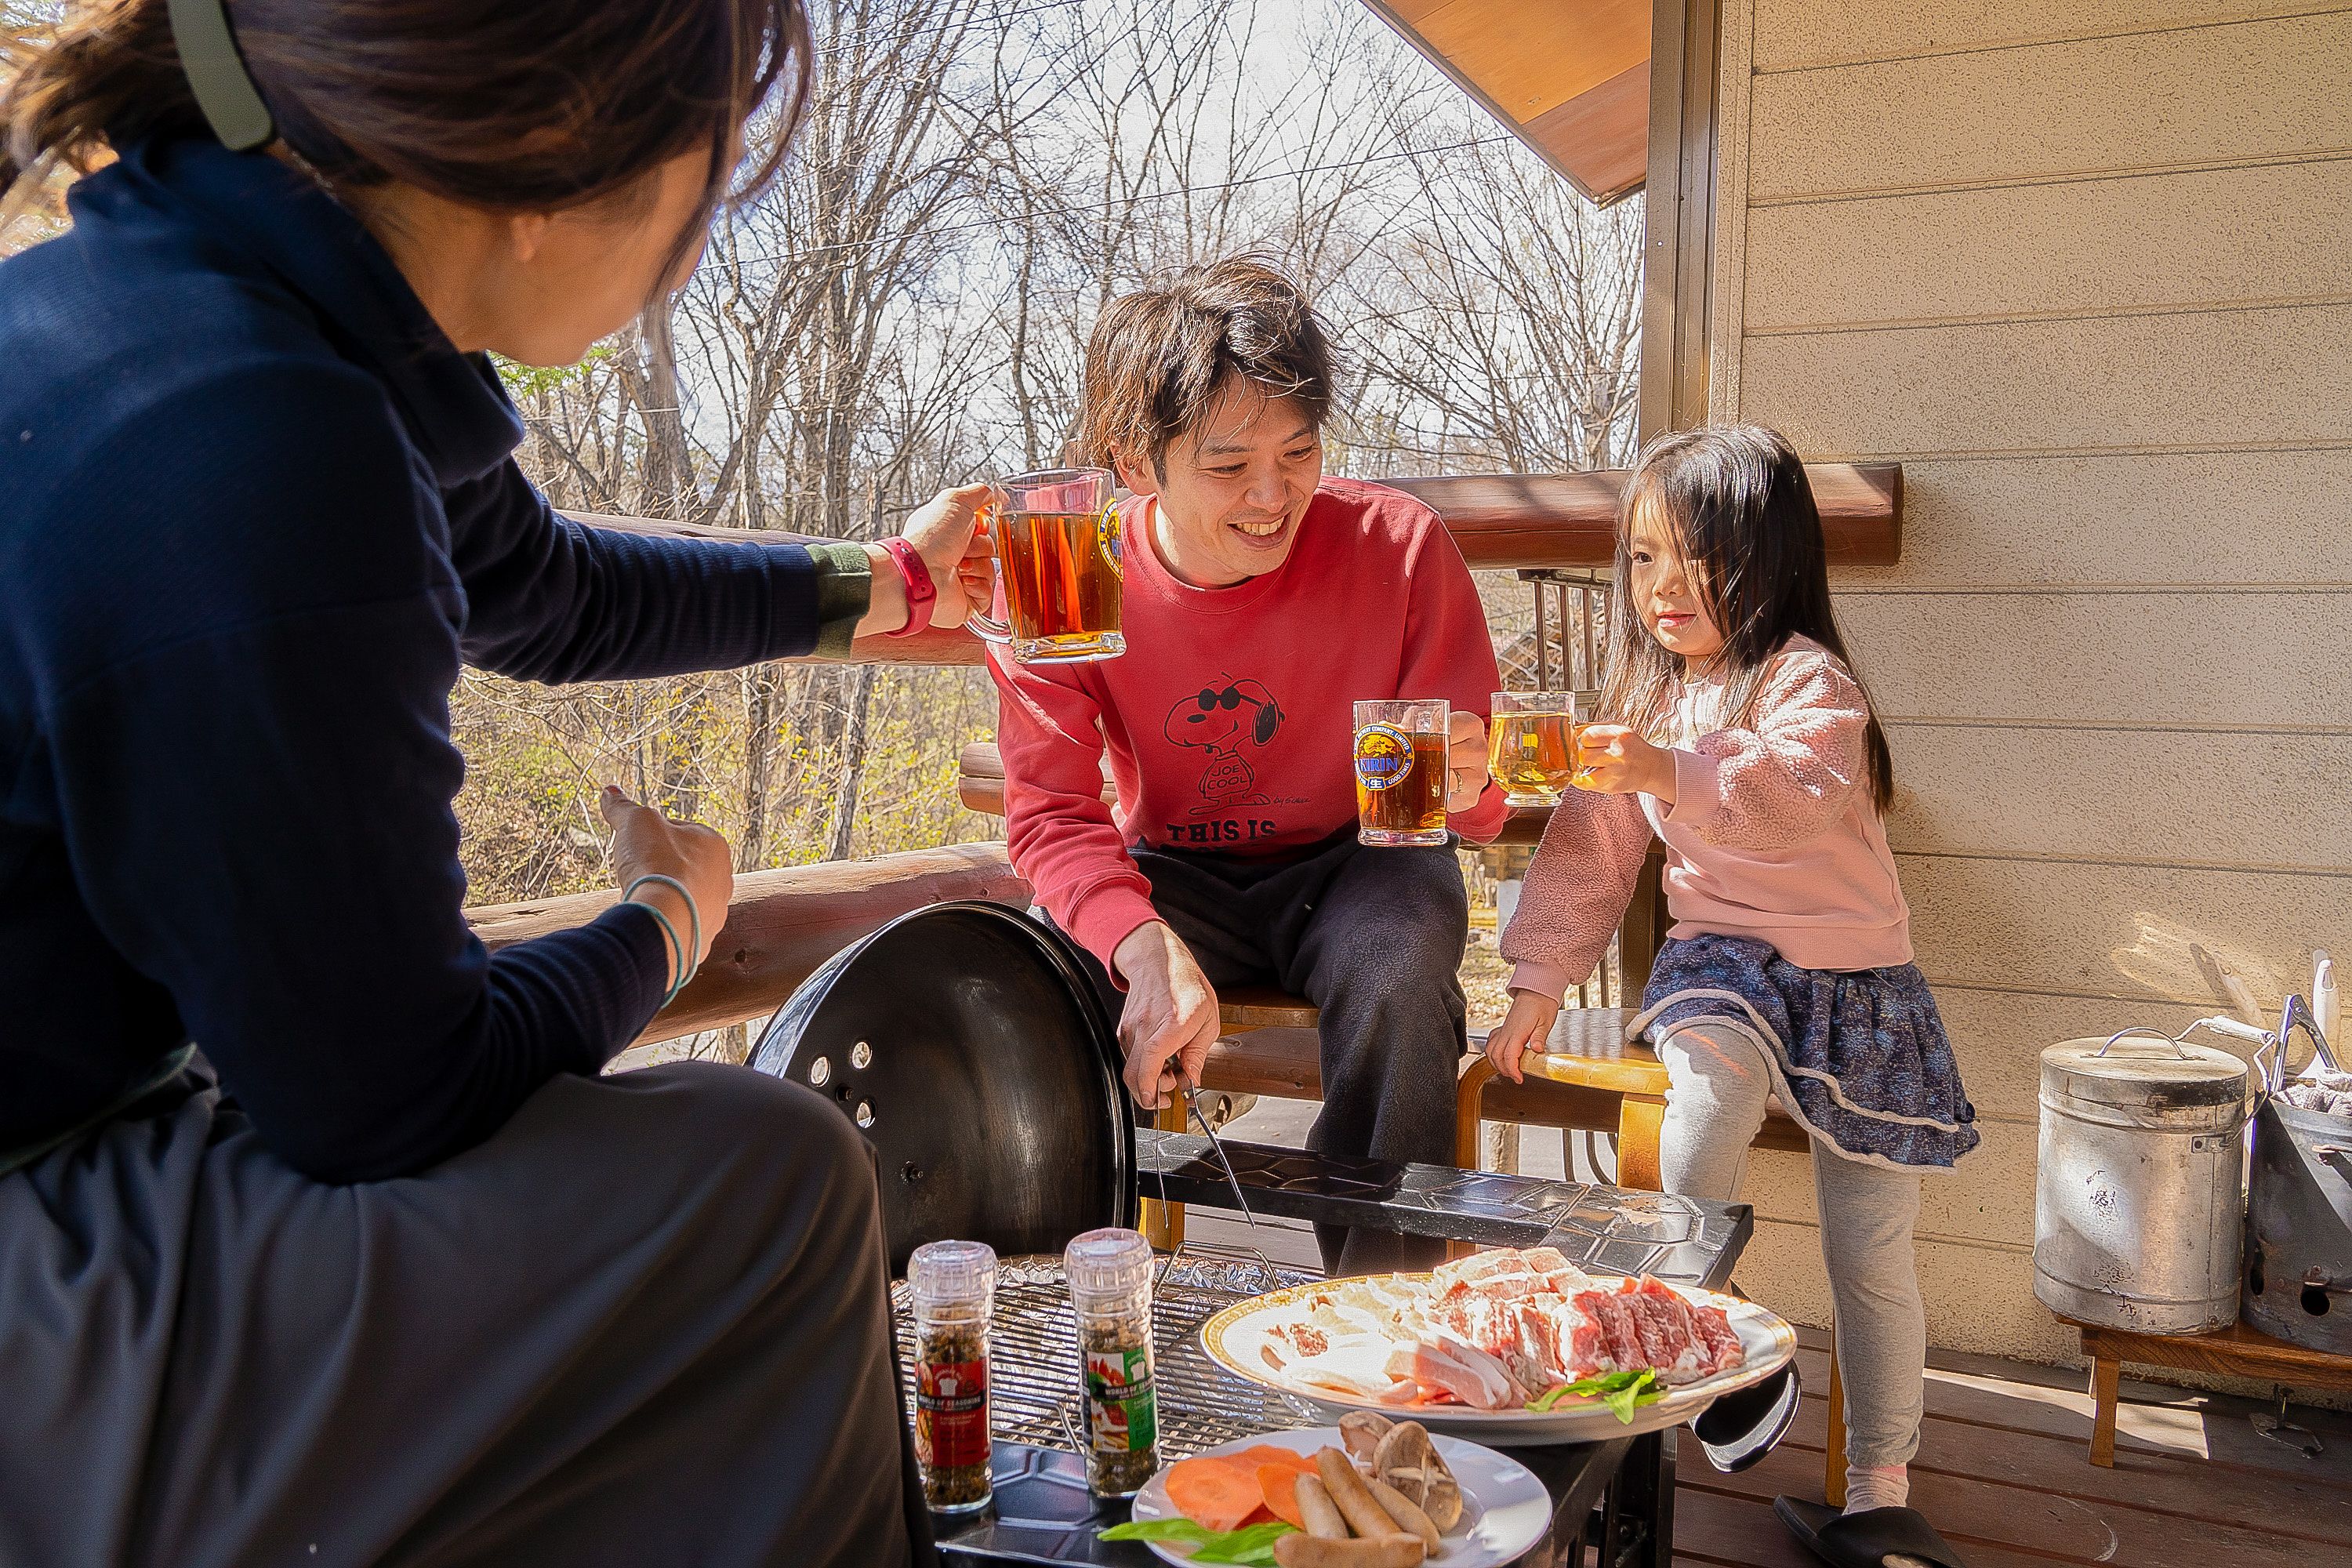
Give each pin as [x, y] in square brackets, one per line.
[2237, 1349]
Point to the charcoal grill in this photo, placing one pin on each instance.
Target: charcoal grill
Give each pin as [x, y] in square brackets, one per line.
[965, 1042]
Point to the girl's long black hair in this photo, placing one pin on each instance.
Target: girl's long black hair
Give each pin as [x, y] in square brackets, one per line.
[1735, 501]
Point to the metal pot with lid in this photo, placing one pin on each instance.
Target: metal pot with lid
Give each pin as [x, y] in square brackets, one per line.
[2141, 1192]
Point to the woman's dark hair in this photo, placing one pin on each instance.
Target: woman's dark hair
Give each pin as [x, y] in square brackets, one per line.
[1741, 512]
[1161, 357]
[505, 105]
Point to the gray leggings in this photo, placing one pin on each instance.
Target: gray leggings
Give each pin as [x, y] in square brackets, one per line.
[1715, 1102]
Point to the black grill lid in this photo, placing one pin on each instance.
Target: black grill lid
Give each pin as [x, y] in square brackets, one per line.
[967, 1043]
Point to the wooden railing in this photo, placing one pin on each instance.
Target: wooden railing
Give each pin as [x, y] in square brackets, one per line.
[781, 924]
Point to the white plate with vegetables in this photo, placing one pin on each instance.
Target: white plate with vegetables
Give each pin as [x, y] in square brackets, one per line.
[1481, 1509]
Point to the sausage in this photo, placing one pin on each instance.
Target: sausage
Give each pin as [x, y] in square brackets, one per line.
[1318, 1512]
[1365, 1516]
[1407, 1513]
[1296, 1550]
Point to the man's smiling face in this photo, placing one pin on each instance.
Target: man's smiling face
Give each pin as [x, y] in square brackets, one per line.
[1236, 487]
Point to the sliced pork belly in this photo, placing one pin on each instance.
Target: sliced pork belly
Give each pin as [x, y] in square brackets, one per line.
[1553, 1267]
[1453, 1364]
[1358, 1369]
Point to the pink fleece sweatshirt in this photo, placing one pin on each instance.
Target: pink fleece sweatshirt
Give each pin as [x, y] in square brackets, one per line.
[1229, 723]
[1772, 836]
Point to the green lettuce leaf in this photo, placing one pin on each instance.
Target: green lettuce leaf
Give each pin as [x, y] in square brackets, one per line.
[1622, 1391]
[1253, 1547]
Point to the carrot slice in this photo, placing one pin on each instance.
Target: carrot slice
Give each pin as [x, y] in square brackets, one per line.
[1280, 1484]
[1215, 1493]
[1269, 1454]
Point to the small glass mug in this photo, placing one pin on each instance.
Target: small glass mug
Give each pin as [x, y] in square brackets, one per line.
[1531, 747]
[1058, 548]
[1401, 771]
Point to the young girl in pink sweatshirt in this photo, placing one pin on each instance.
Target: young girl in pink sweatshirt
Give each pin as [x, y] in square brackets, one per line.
[1738, 734]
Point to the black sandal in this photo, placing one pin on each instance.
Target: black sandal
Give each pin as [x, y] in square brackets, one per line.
[1874, 1538]
[1740, 1429]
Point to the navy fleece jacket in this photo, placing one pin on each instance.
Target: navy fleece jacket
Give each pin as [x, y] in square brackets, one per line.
[255, 511]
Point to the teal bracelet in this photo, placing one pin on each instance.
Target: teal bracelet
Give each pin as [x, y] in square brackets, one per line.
[690, 961]
[677, 953]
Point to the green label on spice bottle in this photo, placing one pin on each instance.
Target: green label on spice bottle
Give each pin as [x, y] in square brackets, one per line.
[1122, 1415]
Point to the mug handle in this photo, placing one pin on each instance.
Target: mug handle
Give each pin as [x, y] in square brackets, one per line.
[987, 628]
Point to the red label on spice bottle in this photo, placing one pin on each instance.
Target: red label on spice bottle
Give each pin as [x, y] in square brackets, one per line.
[951, 1413]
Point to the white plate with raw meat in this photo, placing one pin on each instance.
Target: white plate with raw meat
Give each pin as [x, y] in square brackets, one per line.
[1505, 1346]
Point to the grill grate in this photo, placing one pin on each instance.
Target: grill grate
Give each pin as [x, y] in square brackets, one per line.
[1034, 1354]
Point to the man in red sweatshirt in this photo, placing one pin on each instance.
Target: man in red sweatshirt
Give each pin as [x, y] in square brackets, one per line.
[1262, 600]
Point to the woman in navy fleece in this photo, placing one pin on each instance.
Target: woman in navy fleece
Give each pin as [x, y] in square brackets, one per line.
[387, 1273]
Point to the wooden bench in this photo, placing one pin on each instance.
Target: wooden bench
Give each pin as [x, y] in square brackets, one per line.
[2238, 1350]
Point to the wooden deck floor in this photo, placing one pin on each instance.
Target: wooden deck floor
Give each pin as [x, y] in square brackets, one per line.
[2003, 1470]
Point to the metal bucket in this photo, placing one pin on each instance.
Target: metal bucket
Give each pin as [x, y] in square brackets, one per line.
[2140, 1195]
[2299, 1228]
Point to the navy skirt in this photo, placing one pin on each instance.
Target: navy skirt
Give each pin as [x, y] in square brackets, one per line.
[1858, 1057]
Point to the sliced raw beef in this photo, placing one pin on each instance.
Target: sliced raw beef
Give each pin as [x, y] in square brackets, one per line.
[1620, 1343]
[1717, 1341]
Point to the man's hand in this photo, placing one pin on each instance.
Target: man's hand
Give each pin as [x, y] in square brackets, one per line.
[1615, 760]
[1525, 1027]
[1170, 1019]
[1465, 769]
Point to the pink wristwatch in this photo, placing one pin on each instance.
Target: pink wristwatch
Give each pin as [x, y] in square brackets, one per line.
[921, 594]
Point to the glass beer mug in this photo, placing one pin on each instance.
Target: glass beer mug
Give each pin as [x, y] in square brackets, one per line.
[1401, 767]
[1057, 536]
[1531, 749]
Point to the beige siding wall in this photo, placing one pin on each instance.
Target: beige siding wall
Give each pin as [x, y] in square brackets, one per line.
[2087, 272]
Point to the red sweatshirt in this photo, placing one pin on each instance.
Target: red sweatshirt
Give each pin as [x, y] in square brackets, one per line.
[1230, 720]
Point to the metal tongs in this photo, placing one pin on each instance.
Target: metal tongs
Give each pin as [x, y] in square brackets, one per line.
[1191, 1092]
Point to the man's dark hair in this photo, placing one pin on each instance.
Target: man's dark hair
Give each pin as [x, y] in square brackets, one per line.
[1160, 356]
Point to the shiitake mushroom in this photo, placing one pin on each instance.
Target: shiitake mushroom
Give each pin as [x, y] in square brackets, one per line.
[1406, 1459]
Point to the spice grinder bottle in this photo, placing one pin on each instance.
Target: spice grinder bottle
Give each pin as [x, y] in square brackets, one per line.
[1110, 1275]
[953, 1288]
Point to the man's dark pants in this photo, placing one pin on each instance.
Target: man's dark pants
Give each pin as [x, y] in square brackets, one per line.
[1373, 937]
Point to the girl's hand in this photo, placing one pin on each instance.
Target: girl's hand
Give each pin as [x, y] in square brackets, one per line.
[1616, 760]
[945, 532]
[1466, 761]
[646, 842]
[1526, 1026]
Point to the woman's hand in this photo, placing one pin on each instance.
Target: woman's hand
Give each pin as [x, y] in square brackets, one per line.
[1526, 1026]
[1615, 760]
[645, 842]
[945, 533]
[1466, 761]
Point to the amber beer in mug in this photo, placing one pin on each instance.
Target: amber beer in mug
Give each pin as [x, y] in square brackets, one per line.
[1058, 562]
[1400, 773]
[1531, 749]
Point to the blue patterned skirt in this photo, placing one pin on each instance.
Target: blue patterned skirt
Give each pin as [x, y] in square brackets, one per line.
[1858, 1057]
